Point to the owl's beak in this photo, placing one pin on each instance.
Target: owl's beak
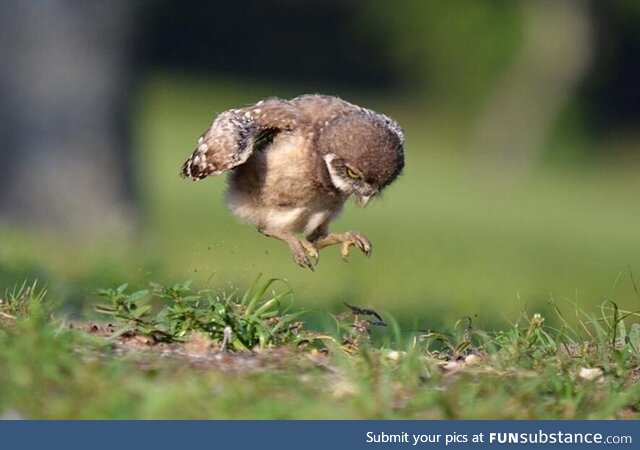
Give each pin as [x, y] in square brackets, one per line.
[363, 200]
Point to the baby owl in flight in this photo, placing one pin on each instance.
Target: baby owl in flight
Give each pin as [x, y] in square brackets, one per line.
[293, 163]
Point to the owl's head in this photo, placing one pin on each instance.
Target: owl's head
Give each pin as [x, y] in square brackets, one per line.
[363, 153]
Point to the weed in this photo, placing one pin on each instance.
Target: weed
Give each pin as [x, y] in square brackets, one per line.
[22, 300]
[254, 319]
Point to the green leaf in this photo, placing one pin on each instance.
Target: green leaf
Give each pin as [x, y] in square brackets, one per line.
[120, 289]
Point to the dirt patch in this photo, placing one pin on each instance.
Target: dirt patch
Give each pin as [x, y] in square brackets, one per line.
[197, 351]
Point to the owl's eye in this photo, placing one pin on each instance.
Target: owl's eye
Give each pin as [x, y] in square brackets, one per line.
[352, 174]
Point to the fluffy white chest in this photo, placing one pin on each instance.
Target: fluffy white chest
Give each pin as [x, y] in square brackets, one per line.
[275, 190]
[298, 219]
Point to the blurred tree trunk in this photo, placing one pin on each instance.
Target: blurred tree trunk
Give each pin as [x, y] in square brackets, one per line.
[65, 156]
[554, 59]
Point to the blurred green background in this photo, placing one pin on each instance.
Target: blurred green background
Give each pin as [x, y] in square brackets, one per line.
[523, 149]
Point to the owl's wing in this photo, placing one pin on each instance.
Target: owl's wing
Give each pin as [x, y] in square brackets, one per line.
[235, 134]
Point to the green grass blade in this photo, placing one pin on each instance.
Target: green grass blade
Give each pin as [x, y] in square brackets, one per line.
[247, 293]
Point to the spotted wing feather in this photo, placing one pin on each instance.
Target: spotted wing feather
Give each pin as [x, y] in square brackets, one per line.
[235, 134]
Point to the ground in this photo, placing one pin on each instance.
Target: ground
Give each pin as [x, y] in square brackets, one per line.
[52, 369]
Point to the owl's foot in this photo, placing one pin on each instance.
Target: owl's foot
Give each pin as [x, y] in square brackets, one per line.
[347, 240]
[304, 253]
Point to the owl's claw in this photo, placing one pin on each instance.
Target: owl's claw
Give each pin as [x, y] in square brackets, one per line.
[347, 240]
[353, 238]
[304, 254]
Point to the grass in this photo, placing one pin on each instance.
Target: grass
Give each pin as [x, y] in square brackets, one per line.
[530, 370]
[242, 322]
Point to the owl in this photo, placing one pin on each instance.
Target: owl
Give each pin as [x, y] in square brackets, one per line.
[292, 165]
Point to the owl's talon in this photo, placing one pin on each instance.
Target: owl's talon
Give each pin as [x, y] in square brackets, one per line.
[364, 245]
[304, 262]
[304, 254]
[353, 238]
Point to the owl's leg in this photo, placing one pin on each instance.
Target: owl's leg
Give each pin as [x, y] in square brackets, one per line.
[321, 239]
[304, 253]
